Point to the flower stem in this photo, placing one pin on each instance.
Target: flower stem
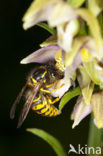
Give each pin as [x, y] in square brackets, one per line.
[95, 136]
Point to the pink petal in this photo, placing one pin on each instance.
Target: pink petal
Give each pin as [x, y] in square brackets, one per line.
[81, 110]
[42, 55]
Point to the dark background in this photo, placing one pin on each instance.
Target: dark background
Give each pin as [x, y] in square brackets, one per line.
[15, 44]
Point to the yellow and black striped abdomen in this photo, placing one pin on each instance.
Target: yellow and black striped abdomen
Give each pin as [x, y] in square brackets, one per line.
[44, 108]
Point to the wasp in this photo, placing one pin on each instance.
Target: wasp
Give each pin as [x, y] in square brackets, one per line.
[38, 88]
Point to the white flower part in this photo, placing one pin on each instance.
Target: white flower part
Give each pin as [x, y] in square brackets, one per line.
[66, 33]
[60, 92]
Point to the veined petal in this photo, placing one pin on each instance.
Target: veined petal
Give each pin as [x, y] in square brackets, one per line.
[66, 32]
[97, 106]
[81, 110]
[42, 55]
[39, 10]
[85, 83]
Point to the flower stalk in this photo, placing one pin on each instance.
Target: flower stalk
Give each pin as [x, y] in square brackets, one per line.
[95, 137]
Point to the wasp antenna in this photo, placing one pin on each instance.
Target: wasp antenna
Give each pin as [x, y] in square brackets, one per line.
[12, 112]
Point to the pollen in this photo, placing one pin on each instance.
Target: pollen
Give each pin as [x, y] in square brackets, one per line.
[85, 54]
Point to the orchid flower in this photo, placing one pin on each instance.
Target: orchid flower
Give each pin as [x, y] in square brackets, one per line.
[58, 14]
[89, 73]
[55, 12]
[81, 109]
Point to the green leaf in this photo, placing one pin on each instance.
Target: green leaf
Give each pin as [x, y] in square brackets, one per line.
[95, 136]
[46, 27]
[76, 3]
[68, 96]
[55, 144]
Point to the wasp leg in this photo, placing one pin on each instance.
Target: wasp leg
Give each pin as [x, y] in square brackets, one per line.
[47, 86]
[50, 101]
[34, 81]
[44, 74]
[50, 91]
[37, 99]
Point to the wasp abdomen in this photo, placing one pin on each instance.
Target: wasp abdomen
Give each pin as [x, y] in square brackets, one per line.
[45, 109]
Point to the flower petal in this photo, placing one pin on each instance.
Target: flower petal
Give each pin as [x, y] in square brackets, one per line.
[85, 83]
[97, 106]
[53, 11]
[75, 64]
[95, 6]
[92, 67]
[60, 92]
[38, 11]
[52, 40]
[78, 42]
[81, 110]
[61, 13]
[66, 32]
[94, 28]
[42, 55]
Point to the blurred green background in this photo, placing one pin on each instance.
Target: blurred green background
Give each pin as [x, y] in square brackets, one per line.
[15, 44]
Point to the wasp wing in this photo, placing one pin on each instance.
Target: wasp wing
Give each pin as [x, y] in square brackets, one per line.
[12, 112]
[28, 104]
